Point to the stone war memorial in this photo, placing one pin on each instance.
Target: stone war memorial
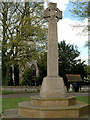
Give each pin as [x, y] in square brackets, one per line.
[53, 101]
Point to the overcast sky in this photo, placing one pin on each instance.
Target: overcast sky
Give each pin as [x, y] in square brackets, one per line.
[70, 34]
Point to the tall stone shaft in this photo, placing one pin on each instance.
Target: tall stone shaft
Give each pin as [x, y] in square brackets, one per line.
[52, 55]
[53, 85]
[52, 14]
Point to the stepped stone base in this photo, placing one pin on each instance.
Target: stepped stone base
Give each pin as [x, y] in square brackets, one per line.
[52, 102]
[53, 108]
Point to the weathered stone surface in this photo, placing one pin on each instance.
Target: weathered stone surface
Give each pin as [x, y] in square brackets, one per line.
[67, 101]
[53, 87]
[52, 14]
[31, 111]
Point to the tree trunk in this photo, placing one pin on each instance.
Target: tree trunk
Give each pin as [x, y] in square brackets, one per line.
[16, 75]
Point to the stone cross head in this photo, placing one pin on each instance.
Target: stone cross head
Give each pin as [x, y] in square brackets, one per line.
[52, 12]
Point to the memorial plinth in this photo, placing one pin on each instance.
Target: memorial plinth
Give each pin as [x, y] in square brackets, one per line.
[53, 87]
[53, 101]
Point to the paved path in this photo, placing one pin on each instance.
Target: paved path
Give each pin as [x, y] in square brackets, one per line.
[17, 95]
[14, 95]
[79, 94]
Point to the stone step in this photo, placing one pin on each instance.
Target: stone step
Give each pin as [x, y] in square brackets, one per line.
[10, 113]
[53, 102]
[7, 114]
[28, 105]
[74, 111]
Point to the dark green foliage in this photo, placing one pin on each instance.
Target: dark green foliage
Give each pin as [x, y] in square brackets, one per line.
[42, 66]
[27, 77]
[10, 83]
[80, 68]
[87, 78]
[16, 74]
[67, 55]
[4, 78]
[5, 81]
[88, 69]
[68, 61]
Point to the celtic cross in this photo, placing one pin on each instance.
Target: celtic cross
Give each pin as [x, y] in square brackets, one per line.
[52, 12]
[53, 85]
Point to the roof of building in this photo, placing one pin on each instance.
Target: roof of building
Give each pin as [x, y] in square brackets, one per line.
[73, 78]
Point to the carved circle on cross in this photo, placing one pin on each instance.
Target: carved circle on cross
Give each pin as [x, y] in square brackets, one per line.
[52, 12]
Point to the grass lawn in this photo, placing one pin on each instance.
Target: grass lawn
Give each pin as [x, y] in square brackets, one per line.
[10, 103]
[5, 92]
[85, 99]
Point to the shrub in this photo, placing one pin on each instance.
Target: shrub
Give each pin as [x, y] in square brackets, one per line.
[27, 77]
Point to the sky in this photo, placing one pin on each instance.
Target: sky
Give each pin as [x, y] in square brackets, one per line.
[70, 29]
[67, 30]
